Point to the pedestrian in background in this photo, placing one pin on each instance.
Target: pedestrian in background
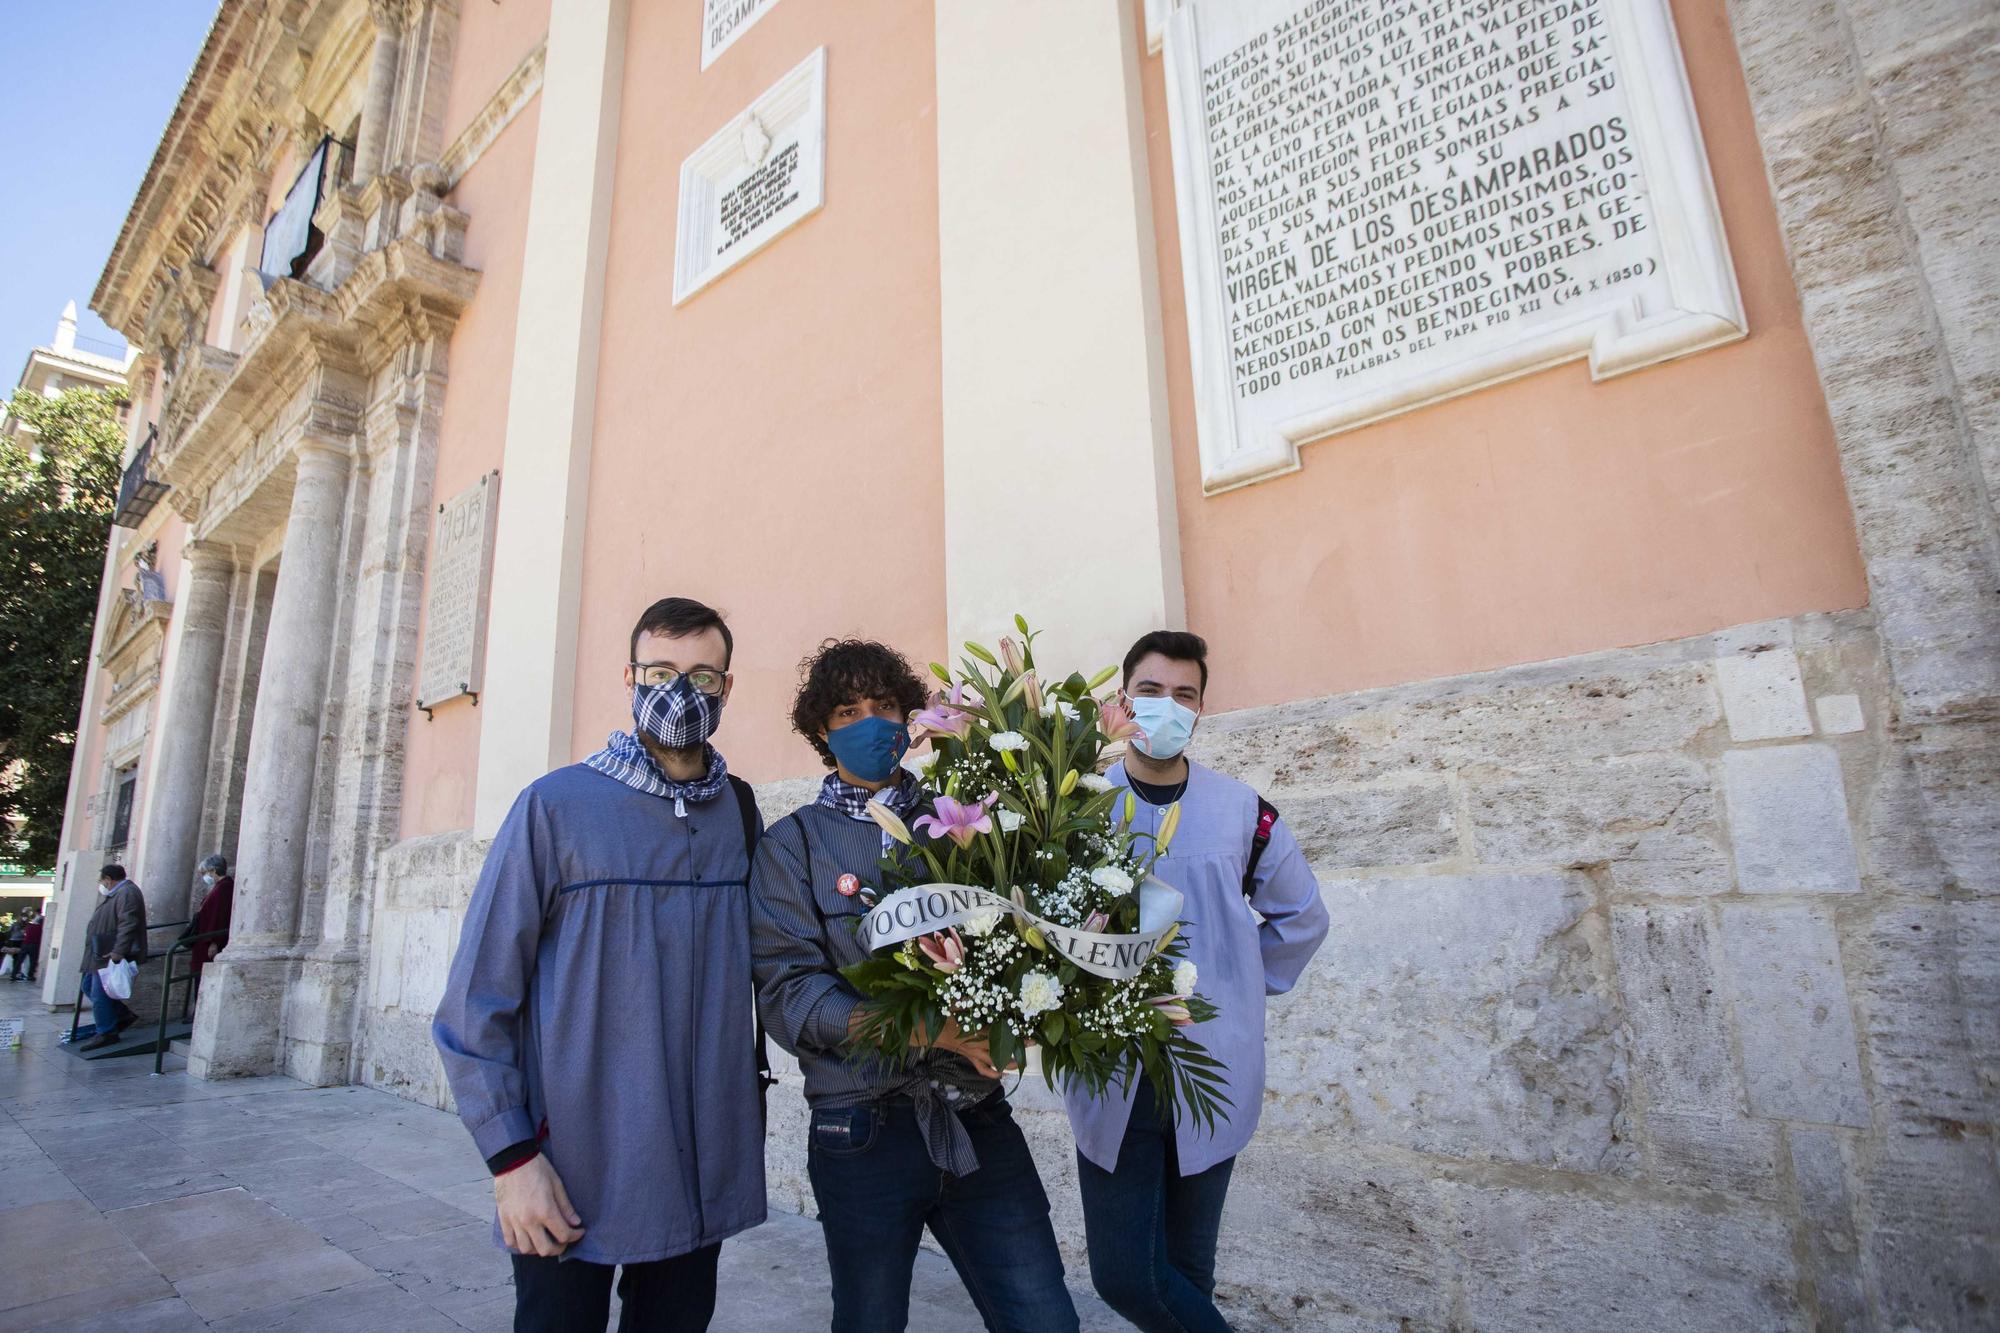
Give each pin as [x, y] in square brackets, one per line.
[31, 948]
[116, 934]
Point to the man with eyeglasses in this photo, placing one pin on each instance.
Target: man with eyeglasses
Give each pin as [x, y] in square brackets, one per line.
[596, 1027]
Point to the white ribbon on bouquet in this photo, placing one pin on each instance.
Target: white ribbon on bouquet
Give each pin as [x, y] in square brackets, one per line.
[925, 909]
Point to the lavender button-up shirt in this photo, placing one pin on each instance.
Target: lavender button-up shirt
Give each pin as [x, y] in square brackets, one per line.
[1241, 959]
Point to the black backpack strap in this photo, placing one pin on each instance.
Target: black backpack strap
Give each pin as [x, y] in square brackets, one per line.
[1267, 819]
[746, 806]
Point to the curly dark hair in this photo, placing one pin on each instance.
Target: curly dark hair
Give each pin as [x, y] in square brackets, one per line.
[844, 670]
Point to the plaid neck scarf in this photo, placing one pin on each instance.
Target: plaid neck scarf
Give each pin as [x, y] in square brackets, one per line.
[852, 801]
[625, 759]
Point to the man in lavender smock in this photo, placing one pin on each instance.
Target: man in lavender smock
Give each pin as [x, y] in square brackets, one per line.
[596, 1026]
[1152, 1191]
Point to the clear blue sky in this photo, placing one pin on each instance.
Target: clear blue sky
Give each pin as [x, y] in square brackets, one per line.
[89, 87]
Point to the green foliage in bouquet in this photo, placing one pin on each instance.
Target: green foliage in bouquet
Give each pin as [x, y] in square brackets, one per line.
[1021, 809]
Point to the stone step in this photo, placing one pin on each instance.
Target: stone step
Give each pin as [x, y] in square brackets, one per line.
[139, 1039]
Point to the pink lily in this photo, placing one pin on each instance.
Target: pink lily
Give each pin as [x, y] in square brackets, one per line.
[1010, 656]
[946, 951]
[959, 821]
[1031, 692]
[1096, 922]
[942, 720]
[1114, 719]
[947, 716]
[1172, 1006]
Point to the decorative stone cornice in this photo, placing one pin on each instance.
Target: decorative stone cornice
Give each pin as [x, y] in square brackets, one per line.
[507, 102]
[137, 628]
[171, 215]
[306, 353]
[201, 374]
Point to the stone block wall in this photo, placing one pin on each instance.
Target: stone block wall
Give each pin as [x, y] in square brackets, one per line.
[422, 887]
[1647, 1004]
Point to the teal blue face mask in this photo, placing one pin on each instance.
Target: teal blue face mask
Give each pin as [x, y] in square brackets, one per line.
[1168, 724]
[870, 748]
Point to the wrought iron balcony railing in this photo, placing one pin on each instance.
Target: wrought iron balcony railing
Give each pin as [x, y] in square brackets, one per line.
[138, 493]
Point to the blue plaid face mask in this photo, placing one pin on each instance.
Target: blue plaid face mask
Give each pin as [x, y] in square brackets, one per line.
[677, 716]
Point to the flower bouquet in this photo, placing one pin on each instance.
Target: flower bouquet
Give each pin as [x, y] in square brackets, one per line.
[1028, 912]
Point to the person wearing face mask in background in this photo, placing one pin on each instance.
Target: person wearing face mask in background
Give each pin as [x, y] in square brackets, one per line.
[596, 1026]
[892, 1146]
[1153, 1191]
[116, 932]
[218, 898]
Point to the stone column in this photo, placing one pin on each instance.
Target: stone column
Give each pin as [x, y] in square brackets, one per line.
[1044, 208]
[538, 546]
[243, 991]
[378, 106]
[167, 844]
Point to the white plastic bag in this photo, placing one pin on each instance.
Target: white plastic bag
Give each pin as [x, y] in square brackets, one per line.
[116, 978]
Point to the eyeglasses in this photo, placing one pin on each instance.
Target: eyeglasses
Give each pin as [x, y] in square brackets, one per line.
[703, 681]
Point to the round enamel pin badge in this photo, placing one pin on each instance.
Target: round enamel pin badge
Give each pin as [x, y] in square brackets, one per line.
[848, 885]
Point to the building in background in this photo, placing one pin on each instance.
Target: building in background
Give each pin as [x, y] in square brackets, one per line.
[70, 362]
[67, 361]
[1572, 424]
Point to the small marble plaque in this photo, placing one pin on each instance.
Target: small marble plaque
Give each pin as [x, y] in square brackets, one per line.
[456, 596]
[723, 21]
[758, 175]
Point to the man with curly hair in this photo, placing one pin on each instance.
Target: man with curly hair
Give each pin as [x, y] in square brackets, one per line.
[894, 1145]
[596, 1025]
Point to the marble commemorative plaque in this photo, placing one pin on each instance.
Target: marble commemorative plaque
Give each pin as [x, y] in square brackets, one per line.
[756, 176]
[723, 21]
[1388, 202]
[455, 597]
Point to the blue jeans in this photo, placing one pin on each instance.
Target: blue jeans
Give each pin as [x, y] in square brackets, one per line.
[108, 1012]
[877, 1190]
[1152, 1231]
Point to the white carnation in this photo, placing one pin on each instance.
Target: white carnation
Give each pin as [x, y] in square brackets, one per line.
[1185, 977]
[1094, 782]
[1009, 820]
[980, 921]
[1112, 879]
[1007, 740]
[1040, 993]
[1053, 705]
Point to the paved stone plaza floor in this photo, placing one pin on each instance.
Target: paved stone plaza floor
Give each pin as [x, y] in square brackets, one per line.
[135, 1203]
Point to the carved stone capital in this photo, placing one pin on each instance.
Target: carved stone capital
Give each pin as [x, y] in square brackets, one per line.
[209, 557]
[315, 456]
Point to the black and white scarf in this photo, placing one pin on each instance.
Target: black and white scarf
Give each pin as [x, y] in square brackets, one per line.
[901, 798]
[625, 759]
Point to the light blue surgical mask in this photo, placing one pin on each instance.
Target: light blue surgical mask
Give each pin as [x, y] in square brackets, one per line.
[1168, 724]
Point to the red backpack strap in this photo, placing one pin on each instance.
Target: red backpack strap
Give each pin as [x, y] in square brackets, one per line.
[1267, 819]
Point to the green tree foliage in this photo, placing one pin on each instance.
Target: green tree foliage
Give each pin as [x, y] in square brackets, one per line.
[55, 515]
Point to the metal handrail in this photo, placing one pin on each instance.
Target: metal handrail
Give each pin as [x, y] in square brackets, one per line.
[76, 1010]
[167, 984]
